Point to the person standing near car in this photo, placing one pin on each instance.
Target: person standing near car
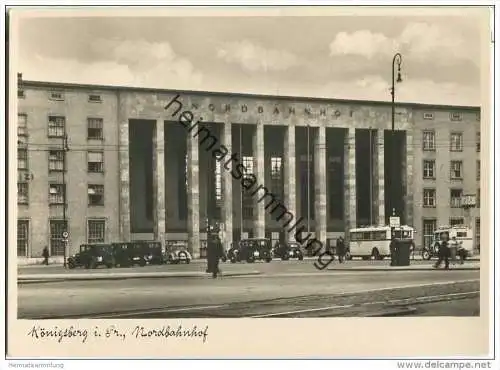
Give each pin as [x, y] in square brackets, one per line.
[340, 249]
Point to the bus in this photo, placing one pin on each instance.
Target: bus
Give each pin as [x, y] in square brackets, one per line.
[374, 241]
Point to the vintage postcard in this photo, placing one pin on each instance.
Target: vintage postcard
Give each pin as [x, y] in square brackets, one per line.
[245, 182]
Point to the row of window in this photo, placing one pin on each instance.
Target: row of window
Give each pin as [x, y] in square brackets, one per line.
[96, 233]
[456, 141]
[95, 194]
[456, 170]
[56, 160]
[59, 96]
[430, 199]
[56, 127]
[430, 225]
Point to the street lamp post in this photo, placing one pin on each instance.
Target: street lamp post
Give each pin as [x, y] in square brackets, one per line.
[396, 60]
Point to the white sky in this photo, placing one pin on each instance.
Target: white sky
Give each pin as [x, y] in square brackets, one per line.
[346, 57]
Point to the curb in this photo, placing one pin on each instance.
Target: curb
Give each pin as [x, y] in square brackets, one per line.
[385, 269]
[39, 278]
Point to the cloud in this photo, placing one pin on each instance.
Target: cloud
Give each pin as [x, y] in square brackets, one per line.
[255, 58]
[418, 41]
[126, 63]
[363, 43]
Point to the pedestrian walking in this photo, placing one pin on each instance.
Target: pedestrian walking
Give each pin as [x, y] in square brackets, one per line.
[392, 248]
[215, 252]
[461, 252]
[341, 249]
[45, 254]
[453, 247]
[443, 254]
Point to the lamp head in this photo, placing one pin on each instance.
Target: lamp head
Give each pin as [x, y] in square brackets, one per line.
[399, 78]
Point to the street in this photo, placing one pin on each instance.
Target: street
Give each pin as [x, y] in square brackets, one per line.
[276, 289]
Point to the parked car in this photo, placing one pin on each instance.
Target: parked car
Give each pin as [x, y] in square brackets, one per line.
[127, 254]
[152, 251]
[92, 256]
[289, 250]
[251, 250]
[178, 253]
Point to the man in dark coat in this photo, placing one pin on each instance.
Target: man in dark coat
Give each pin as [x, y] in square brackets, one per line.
[392, 248]
[340, 249]
[215, 252]
[443, 254]
[45, 254]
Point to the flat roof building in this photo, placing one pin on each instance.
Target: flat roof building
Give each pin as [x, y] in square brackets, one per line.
[160, 164]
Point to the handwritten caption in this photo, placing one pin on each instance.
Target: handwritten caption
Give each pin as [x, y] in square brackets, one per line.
[72, 333]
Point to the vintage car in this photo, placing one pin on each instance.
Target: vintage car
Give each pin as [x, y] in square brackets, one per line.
[289, 250]
[92, 256]
[177, 252]
[152, 251]
[127, 254]
[251, 250]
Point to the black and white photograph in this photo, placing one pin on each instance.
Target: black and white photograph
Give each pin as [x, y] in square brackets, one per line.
[212, 167]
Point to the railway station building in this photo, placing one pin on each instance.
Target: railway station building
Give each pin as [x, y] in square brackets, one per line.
[132, 169]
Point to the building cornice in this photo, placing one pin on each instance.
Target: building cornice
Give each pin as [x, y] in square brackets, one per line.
[63, 85]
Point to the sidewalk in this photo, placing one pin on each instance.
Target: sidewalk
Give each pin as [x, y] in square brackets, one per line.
[37, 262]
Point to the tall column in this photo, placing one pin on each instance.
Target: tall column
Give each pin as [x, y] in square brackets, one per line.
[193, 196]
[320, 184]
[124, 168]
[408, 178]
[380, 208]
[290, 176]
[159, 214]
[227, 185]
[350, 179]
[259, 207]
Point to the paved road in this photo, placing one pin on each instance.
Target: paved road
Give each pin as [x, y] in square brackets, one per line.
[297, 289]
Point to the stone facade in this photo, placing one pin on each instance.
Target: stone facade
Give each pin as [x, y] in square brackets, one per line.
[121, 105]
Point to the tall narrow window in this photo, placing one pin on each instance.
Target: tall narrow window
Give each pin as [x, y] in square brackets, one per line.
[218, 182]
[23, 227]
[248, 164]
[95, 162]
[96, 231]
[22, 159]
[429, 140]
[95, 129]
[57, 227]
[56, 126]
[277, 177]
[56, 160]
[22, 125]
[456, 142]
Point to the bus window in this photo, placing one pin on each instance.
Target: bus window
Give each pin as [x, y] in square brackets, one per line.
[380, 235]
[355, 236]
[367, 235]
[461, 234]
[396, 234]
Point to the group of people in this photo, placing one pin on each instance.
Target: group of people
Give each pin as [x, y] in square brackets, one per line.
[449, 249]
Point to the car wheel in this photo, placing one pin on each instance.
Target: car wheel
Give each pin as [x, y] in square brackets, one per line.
[188, 260]
[426, 255]
[250, 260]
[142, 262]
[109, 265]
[348, 256]
[71, 265]
[268, 260]
[301, 258]
[233, 260]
